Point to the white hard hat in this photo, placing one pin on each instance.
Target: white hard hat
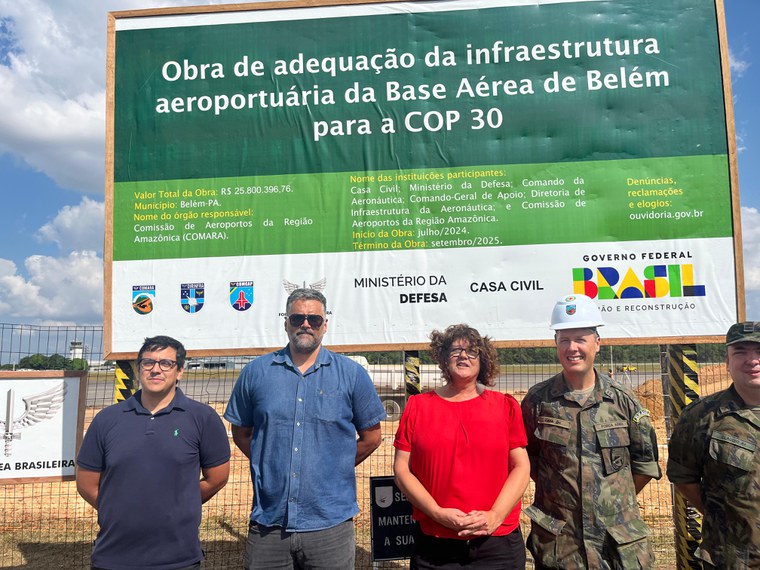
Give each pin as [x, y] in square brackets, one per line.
[576, 312]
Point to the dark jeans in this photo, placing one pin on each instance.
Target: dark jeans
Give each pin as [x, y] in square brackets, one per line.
[486, 552]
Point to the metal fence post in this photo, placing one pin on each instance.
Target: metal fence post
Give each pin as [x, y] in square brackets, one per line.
[683, 388]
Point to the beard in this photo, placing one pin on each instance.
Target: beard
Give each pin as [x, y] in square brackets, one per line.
[305, 342]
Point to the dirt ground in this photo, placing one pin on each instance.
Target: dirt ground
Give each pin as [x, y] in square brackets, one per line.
[47, 525]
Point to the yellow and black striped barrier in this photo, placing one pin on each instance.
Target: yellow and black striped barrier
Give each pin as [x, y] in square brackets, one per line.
[124, 382]
[412, 372]
[683, 388]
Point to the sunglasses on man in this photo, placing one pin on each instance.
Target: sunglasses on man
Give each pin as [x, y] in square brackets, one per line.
[297, 320]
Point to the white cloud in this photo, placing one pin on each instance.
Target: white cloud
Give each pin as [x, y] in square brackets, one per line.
[737, 64]
[753, 305]
[59, 290]
[52, 89]
[52, 117]
[68, 288]
[740, 145]
[77, 227]
[739, 67]
[52, 102]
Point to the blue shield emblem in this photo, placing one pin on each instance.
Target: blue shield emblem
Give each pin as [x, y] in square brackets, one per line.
[241, 295]
[143, 298]
[192, 296]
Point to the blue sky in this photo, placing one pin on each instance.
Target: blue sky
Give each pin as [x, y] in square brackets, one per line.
[52, 117]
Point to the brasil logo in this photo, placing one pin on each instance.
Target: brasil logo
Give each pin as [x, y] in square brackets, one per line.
[653, 282]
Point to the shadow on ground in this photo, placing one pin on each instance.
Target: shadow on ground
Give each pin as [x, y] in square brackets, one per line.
[220, 555]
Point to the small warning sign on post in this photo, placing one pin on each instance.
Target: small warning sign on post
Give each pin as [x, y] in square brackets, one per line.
[392, 524]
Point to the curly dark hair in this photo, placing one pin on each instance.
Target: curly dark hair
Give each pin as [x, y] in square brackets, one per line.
[440, 344]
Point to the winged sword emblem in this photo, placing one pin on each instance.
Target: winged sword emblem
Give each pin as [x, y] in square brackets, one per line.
[317, 286]
[37, 409]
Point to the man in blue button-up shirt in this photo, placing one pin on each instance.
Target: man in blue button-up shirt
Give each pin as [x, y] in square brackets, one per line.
[296, 414]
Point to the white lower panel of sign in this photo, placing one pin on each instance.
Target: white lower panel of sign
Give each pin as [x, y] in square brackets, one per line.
[398, 297]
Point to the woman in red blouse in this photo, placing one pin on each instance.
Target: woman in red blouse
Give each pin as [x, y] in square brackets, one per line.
[461, 460]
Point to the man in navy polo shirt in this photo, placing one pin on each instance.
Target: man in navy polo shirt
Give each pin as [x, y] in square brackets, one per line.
[147, 463]
[296, 414]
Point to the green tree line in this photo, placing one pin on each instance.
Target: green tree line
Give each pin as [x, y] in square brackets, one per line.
[43, 362]
[615, 355]
[636, 354]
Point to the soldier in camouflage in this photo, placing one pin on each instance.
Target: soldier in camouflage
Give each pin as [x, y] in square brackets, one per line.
[592, 448]
[714, 458]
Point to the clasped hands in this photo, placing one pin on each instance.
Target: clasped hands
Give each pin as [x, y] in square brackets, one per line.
[474, 523]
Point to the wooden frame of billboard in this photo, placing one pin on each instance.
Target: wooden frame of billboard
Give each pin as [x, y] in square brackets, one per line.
[290, 4]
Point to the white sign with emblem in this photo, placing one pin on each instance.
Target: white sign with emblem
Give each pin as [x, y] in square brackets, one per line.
[41, 415]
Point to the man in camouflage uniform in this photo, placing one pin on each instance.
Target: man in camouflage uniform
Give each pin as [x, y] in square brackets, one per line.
[714, 458]
[592, 449]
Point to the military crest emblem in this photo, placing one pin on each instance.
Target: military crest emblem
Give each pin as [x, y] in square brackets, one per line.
[383, 496]
[143, 298]
[192, 296]
[241, 295]
[317, 286]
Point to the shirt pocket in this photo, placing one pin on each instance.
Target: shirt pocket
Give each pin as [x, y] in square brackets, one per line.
[545, 541]
[630, 546]
[554, 435]
[553, 430]
[330, 400]
[734, 460]
[614, 441]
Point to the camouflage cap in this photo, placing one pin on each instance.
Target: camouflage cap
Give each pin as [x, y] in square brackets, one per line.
[748, 331]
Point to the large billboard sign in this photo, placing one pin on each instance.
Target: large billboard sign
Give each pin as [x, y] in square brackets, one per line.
[422, 163]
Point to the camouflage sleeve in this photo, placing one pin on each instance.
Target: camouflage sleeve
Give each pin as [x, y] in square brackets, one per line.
[644, 452]
[685, 449]
[529, 419]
